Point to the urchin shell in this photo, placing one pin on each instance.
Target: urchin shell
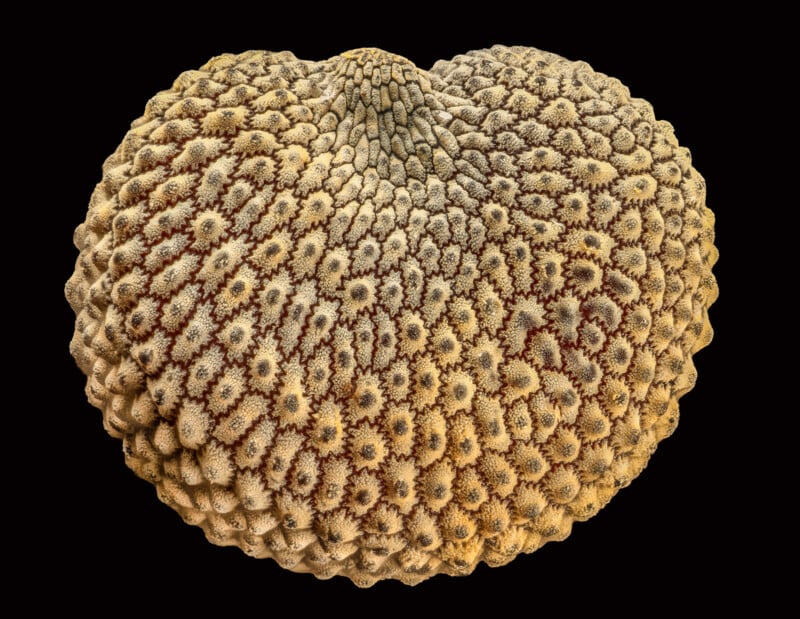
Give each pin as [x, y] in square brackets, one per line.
[380, 322]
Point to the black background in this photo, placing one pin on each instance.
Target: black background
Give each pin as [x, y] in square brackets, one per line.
[679, 538]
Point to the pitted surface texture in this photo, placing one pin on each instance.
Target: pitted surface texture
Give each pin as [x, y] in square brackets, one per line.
[380, 322]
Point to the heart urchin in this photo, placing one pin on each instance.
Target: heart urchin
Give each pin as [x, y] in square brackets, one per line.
[380, 322]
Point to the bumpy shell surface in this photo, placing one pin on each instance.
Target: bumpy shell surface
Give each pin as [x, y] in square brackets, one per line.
[386, 323]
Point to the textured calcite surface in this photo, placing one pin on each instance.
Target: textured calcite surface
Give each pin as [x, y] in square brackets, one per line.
[382, 322]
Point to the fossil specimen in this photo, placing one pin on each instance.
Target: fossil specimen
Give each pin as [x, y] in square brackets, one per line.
[380, 322]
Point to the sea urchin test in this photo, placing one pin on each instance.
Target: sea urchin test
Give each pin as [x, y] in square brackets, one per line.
[381, 322]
